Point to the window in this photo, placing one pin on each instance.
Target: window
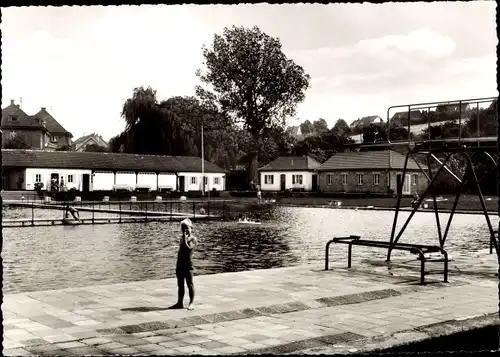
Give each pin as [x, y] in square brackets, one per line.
[13, 117]
[216, 180]
[13, 134]
[269, 179]
[193, 180]
[344, 179]
[376, 179]
[38, 178]
[205, 180]
[54, 139]
[360, 179]
[330, 179]
[297, 179]
[70, 178]
[415, 179]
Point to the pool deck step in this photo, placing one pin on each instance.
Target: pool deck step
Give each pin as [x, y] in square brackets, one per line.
[281, 310]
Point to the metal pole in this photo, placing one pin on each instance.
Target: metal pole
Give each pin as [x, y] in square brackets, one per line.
[429, 123]
[399, 189]
[436, 212]
[459, 123]
[202, 164]
[409, 131]
[32, 213]
[419, 203]
[446, 168]
[477, 115]
[483, 205]
[452, 213]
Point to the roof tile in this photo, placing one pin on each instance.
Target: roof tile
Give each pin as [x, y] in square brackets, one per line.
[366, 160]
[103, 161]
[288, 163]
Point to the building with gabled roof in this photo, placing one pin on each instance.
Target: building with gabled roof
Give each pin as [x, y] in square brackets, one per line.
[289, 173]
[91, 171]
[91, 139]
[370, 172]
[366, 121]
[40, 131]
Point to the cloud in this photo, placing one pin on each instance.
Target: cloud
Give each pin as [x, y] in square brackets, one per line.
[85, 61]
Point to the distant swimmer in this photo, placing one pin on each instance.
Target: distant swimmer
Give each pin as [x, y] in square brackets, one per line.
[74, 212]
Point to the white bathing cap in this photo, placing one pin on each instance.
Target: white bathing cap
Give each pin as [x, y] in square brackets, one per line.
[187, 222]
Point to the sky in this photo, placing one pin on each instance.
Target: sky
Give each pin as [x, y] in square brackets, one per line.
[82, 63]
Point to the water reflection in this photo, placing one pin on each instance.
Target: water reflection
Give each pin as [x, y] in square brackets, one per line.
[40, 258]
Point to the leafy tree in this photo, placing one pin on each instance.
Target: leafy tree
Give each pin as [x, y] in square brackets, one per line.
[117, 143]
[320, 126]
[95, 148]
[307, 127]
[341, 128]
[252, 80]
[17, 142]
[323, 146]
[487, 121]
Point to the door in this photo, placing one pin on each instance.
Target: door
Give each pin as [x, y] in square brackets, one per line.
[54, 182]
[85, 183]
[407, 185]
[314, 183]
[283, 182]
[182, 185]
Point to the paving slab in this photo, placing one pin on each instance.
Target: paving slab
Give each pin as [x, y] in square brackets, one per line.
[283, 310]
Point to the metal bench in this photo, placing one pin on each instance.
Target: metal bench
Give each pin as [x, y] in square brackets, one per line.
[412, 248]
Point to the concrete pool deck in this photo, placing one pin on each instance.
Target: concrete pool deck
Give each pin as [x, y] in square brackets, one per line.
[284, 310]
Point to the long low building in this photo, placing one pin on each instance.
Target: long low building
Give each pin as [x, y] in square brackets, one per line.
[91, 171]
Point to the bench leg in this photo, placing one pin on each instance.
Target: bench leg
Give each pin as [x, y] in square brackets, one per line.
[422, 270]
[446, 271]
[349, 256]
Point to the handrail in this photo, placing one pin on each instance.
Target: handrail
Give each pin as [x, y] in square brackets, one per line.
[417, 106]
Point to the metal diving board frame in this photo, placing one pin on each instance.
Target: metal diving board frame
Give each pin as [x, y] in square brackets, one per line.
[461, 145]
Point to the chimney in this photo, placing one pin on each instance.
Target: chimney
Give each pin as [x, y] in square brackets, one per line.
[12, 102]
[43, 109]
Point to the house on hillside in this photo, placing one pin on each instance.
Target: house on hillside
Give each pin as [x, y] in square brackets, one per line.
[289, 173]
[366, 121]
[295, 132]
[41, 131]
[373, 172]
[401, 118]
[92, 139]
[91, 171]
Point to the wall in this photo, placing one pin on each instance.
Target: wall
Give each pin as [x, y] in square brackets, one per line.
[10, 178]
[29, 178]
[62, 139]
[34, 138]
[167, 181]
[387, 180]
[420, 187]
[128, 178]
[276, 186]
[103, 181]
[189, 186]
[147, 179]
[352, 182]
